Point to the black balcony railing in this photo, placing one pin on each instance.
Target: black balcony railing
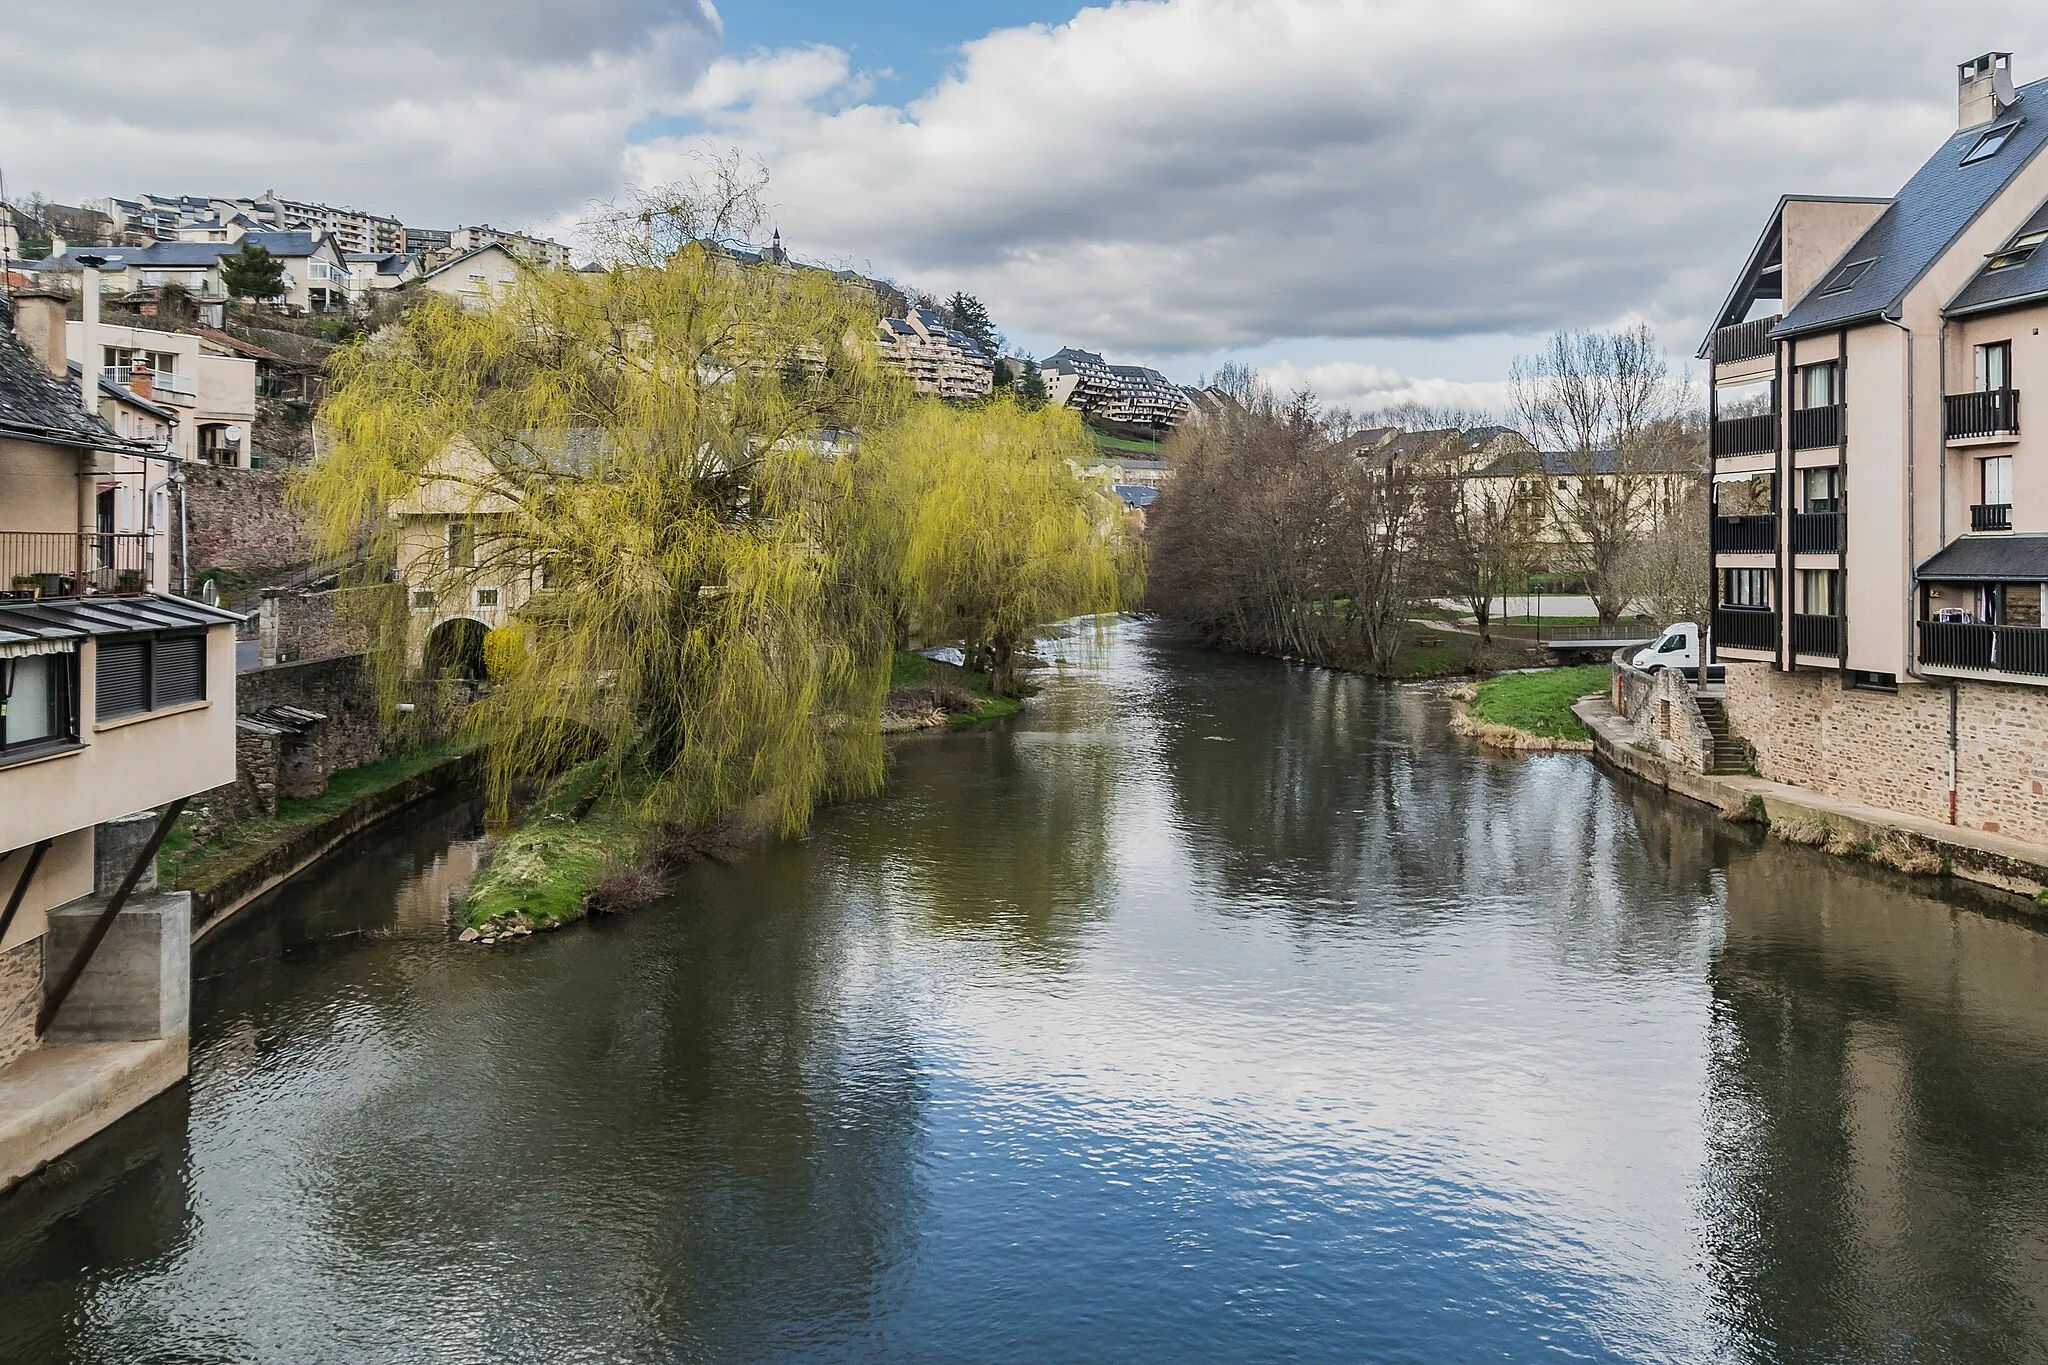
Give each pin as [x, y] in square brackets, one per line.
[1817, 635]
[1751, 535]
[1817, 533]
[1994, 412]
[1744, 341]
[48, 563]
[1991, 516]
[1988, 649]
[1756, 435]
[1816, 428]
[1746, 627]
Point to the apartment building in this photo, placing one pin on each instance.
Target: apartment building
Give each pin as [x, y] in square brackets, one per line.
[540, 251]
[208, 390]
[1880, 527]
[316, 273]
[1136, 394]
[925, 348]
[118, 706]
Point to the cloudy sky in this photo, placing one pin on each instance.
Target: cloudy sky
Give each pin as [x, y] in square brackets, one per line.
[1384, 198]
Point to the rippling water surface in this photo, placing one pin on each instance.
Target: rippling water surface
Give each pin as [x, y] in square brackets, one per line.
[1216, 1010]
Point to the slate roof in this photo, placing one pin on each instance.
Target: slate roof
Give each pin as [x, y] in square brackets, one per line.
[124, 393]
[1992, 288]
[37, 406]
[1925, 218]
[1990, 559]
[1565, 464]
[1135, 495]
[183, 255]
[74, 618]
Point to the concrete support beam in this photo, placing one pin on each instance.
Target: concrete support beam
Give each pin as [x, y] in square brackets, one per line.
[138, 986]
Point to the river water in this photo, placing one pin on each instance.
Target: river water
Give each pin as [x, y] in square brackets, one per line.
[1214, 1010]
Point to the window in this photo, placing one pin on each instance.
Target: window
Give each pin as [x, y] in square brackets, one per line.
[1821, 489]
[1820, 386]
[1996, 480]
[461, 545]
[148, 674]
[1868, 681]
[1820, 592]
[422, 599]
[37, 701]
[1988, 145]
[1844, 279]
[487, 597]
[1746, 587]
[1994, 366]
[2018, 251]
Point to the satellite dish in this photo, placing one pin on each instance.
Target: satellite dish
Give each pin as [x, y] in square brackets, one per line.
[234, 435]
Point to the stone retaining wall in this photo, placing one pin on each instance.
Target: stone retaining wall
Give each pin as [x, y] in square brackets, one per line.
[1665, 714]
[21, 994]
[236, 519]
[1891, 749]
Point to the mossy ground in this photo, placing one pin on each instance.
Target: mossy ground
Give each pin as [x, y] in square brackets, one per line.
[185, 864]
[908, 669]
[545, 867]
[1539, 703]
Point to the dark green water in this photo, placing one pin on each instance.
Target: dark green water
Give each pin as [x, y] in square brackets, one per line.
[1215, 1011]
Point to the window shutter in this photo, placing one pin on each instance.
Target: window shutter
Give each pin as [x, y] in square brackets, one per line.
[123, 678]
[180, 670]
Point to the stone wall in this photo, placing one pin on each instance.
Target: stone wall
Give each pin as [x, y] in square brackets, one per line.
[1664, 714]
[1891, 749]
[342, 689]
[236, 519]
[21, 994]
[295, 625]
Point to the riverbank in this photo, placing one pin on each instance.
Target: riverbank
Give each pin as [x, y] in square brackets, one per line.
[1903, 843]
[1530, 710]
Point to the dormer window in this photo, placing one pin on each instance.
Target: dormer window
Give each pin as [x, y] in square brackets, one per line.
[1843, 280]
[1989, 142]
[2018, 251]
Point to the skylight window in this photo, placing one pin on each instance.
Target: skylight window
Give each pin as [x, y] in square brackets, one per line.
[1988, 145]
[1843, 280]
[2018, 251]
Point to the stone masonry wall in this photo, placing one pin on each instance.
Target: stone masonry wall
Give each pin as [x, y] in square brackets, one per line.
[1891, 750]
[297, 625]
[21, 994]
[1665, 714]
[236, 519]
[342, 689]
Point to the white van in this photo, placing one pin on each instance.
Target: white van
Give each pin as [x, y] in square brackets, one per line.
[1678, 647]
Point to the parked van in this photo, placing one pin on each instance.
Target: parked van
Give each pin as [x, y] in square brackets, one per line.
[1677, 647]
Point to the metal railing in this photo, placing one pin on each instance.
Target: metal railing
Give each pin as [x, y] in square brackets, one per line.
[1816, 428]
[1746, 627]
[1817, 533]
[1745, 340]
[172, 387]
[1985, 648]
[47, 563]
[1817, 635]
[1750, 535]
[1994, 412]
[1991, 516]
[1756, 435]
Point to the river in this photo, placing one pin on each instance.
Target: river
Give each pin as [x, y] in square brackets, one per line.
[1214, 1010]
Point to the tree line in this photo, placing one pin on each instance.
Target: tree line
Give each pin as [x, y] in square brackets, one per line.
[1320, 534]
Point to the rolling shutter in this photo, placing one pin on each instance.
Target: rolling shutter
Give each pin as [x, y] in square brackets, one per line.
[123, 678]
[180, 670]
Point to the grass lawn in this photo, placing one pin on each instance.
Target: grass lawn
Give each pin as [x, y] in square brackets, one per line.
[908, 669]
[1125, 445]
[182, 864]
[1427, 653]
[546, 865]
[1540, 703]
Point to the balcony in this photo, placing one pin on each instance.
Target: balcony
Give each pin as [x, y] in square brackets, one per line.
[1756, 435]
[48, 563]
[1991, 516]
[1816, 428]
[1817, 635]
[1751, 535]
[1988, 416]
[1746, 628]
[1984, 649]
[163, 388]
[1745, 341]
[1817, 533]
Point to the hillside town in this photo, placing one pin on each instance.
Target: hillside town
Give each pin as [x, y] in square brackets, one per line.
[647, 585]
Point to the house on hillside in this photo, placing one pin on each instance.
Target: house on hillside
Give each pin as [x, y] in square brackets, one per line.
[207, 385]
[475, 277]
[370, 273]
[1133, 394]
[1879, 586]
[316, 276]
[937, 358]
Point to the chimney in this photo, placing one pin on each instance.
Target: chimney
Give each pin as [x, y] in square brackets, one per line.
[39, 324]
[1983, 90]
[141, 382]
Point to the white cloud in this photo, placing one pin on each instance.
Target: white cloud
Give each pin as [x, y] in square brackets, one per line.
[1370, 388]
[1174, 176]
[434, 110]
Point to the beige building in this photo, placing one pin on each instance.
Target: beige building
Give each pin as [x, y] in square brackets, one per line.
[537, 251]
[208, 391]
[1133, 394]
[924, 347]
[1880, 538]
[118, 701]
[476, 277]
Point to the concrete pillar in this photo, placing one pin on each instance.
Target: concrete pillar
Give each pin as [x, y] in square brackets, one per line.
[138, 986]
[115, 846]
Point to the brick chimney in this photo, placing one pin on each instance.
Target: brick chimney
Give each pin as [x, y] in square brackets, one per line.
[1983, 90]
[39, 323]
[141, 382]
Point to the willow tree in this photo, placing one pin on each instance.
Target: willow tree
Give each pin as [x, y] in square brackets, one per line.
[997, 531]
[649, 450]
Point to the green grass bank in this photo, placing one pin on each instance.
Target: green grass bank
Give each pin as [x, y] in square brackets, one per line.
[1539, 703]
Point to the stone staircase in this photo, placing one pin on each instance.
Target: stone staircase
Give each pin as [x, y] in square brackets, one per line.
[1728, 754]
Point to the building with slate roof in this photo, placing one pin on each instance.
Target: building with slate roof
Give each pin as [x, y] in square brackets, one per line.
[1136, 394]
[316, 274]
[1880, 536]
[936, 357]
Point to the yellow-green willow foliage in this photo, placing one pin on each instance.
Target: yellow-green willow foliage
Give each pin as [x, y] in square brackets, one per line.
[641, 449]
[997, 533]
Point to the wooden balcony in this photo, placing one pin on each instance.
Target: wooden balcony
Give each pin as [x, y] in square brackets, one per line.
[1751, 535]
[1819, 636]
[1818, 533]
[1817, 428]
[1989, 416]
[1745, 341]
[1979, 648]
[1991, 516]
[1746, 628]
[1756, 435]
[35, 564]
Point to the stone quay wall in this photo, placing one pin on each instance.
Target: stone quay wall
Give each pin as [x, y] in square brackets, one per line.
[21, 995]
[1664, 713]
[1891, 749]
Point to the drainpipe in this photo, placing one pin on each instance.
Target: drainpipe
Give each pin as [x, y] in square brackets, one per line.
[1952, 708]
[1912, 555]
[88, 399]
